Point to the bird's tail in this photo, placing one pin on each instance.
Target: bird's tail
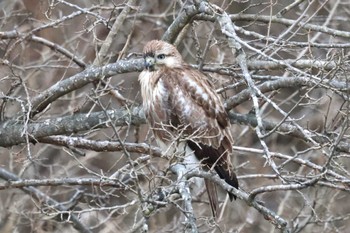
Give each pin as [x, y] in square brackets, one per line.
[213, 196]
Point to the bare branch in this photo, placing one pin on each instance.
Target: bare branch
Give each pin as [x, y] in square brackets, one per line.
[42, 197]
[79, 80]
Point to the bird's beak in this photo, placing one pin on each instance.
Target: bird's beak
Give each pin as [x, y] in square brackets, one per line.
[149, 63]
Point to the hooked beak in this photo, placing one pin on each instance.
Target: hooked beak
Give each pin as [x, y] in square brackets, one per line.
[149, 63]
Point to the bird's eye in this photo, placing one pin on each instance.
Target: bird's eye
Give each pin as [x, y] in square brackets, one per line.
[161, 56]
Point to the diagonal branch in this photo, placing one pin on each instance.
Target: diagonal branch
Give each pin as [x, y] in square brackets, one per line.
[40, 102]
[268, 214]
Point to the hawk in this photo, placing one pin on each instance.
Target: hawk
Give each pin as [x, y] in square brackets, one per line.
[186, 115]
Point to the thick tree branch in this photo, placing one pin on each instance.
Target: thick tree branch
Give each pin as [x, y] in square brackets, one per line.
[98, 145]
[185, 17]
[11, 132]
[61, 181]
[40, 102]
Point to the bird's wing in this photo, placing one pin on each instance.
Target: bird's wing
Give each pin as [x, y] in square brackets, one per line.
[198, 112]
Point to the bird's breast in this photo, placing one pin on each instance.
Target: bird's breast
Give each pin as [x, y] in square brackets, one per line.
[155, 96]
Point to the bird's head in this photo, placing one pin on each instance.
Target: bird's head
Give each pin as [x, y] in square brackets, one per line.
[159, 54]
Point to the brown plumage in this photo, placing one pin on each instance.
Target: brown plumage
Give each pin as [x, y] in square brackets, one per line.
[186, 115]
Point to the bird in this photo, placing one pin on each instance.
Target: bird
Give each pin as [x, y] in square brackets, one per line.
[186, 115]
